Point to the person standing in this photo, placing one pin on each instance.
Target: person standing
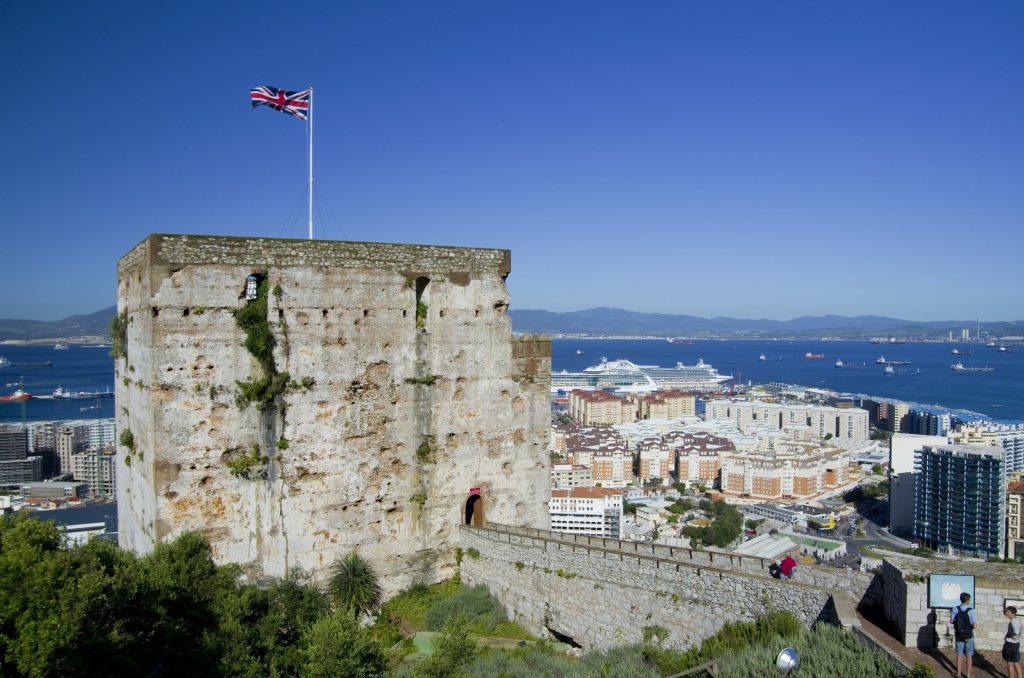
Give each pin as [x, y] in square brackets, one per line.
[1011, 646]
[963, 619]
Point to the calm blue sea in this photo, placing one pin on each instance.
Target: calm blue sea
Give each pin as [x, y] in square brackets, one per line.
[998, 394]
[927, 379]
[76, 369]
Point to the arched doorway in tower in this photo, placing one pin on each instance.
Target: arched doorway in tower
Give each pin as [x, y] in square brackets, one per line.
[475, 510]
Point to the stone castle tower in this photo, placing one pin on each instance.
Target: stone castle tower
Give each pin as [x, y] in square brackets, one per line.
[297, 399]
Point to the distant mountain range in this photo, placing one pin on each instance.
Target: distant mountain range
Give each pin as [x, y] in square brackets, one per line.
[619, 322]
[94, 324]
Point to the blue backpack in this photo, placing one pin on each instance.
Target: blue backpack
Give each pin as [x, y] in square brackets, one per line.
[962, 624]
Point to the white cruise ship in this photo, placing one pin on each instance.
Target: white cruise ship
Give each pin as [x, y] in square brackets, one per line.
[624, 375]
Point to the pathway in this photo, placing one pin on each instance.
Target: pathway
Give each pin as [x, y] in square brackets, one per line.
[942, 662]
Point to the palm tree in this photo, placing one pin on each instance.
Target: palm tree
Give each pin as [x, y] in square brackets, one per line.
[353, 585]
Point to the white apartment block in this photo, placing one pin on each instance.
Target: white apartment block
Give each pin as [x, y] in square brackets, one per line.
[842, 424]
[1008, 436]
[593, 511]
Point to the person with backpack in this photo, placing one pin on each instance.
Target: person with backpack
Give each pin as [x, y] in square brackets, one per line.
[963, 618]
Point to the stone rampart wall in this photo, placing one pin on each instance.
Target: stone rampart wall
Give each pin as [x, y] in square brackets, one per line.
[853, 583]
[604, 597]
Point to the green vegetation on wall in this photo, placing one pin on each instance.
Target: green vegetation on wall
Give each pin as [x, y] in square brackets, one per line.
[119, 335]
[260, 342]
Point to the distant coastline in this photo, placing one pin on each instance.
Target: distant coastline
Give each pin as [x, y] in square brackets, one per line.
[613, 323]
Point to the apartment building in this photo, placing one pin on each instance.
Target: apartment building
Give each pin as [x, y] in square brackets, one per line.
[612, 467]
[656, 460]
[594, 511]
[1014, 520]
[960, 499]
[843, 424]
[591, 408]
[1008, 436]
[699, 457]
[783, 475]
[97, 468]
[16, 465]
[673, 404]
[568, 476]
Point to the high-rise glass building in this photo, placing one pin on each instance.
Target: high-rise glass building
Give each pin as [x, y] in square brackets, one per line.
[960, 499]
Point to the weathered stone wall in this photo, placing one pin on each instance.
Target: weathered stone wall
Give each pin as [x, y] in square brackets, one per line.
[400, 419]
[602, 596]
[906, 600]
[854, 584]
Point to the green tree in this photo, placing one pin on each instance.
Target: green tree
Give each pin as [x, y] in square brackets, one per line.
[679, 487]
[353, 585]
[454, 649]
[337, 646]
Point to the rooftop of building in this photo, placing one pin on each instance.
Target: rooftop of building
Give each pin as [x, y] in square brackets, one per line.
[967, 450]
[586, 493]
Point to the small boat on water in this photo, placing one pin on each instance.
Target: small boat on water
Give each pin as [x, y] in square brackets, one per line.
[16, 396]
[579, 351]
[1006, 349]
[60, 347]
[762, 358]
[959, 351]
[839, 362]
[814, 356]
[4, 362]
[889, 369]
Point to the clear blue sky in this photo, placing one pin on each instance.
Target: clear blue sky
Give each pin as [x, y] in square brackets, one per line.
[761, 159]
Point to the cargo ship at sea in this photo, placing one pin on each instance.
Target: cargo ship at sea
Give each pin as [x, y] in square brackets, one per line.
[17, 396]
[623, 375]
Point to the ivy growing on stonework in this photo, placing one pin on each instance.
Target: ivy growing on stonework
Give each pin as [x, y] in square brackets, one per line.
[119, 335]
[259, 341]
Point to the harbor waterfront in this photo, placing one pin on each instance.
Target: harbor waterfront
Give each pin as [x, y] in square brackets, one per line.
[76, 369]
[927, 378]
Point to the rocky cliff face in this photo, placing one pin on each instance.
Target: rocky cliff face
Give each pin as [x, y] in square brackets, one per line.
[376, 393]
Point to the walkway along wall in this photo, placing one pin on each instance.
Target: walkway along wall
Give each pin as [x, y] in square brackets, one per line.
[601, 593]
[916, 624]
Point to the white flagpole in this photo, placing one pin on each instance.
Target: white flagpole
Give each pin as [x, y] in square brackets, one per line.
[311, 162]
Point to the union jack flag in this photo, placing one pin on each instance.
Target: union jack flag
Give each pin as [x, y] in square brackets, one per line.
[292, 103]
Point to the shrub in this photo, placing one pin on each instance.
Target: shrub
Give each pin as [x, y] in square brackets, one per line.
[475, 605]
[473, 553]
[127, 439]
[825, 651]
[337, 646]
[245, 464]
[453, 650]
[921, 671]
